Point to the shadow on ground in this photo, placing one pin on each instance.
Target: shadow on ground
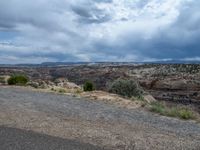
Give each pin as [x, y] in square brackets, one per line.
[17, 139]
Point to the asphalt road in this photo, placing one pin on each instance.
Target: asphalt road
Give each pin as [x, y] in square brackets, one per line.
[17, 139]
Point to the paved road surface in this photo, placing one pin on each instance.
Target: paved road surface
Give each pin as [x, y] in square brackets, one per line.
[16, 139]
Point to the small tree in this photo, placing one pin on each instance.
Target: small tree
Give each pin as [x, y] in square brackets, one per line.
[127, 88]
[17, 80]
[88, 86]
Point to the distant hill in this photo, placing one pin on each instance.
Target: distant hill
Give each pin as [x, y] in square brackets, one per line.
[54, 64]
[175, 62]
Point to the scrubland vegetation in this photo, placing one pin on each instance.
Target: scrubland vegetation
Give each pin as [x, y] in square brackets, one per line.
[179, 112]
[126, 88]
[18, 80]
[178, 84]
[88, 86]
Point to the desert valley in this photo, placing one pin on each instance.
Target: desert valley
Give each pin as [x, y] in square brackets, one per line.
[164, 101]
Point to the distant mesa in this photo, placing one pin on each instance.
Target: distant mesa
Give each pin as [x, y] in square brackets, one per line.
[54, 64]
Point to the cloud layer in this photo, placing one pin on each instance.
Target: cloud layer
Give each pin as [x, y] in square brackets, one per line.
[98, 30]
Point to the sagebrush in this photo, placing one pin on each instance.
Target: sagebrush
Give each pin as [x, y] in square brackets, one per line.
[88, 86]
[18, 80]
[126, 88]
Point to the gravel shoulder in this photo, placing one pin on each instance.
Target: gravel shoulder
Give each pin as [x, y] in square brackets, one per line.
[94, 122]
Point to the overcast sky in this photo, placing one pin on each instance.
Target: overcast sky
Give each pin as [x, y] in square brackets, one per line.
[35, 31]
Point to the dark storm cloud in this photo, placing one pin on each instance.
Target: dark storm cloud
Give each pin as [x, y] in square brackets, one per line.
[99, 30]
[179, 40]
[37, 13]
[103, 1]
[87, 13]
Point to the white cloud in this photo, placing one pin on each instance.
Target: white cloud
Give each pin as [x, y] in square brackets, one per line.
[99, 30]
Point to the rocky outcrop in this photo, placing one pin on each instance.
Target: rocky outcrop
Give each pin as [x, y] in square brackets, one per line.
[64, 83]
[175, 85]
[149, 98]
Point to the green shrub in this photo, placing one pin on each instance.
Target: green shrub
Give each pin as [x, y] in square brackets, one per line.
[88, 86]
[126, 88]
[178, 112]
[157, 108]
[185, 113]
[173, 112]
[17, 80]
[62, 90]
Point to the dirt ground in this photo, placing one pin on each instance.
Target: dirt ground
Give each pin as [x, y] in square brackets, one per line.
[94, 122]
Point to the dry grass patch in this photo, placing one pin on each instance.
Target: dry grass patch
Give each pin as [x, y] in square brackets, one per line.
[178, 112]
[2, 80]
[113, 99]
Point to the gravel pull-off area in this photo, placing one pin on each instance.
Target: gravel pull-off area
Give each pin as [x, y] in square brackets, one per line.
[97, 123]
